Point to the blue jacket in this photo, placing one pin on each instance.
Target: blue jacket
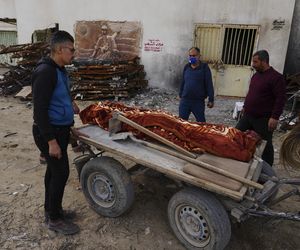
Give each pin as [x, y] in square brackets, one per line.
[52, 103]
[197, 83]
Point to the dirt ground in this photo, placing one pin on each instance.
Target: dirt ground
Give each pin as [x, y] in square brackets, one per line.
[145, 226]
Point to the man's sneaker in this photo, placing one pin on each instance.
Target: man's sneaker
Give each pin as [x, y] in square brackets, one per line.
[63, 226]
[65, 214]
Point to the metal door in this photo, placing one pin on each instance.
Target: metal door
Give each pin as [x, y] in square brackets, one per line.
[228, 50]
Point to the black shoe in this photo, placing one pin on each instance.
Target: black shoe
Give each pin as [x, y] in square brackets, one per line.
[64, 214]
[63, 226]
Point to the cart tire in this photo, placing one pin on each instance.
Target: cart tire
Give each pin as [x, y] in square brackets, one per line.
[107, 186]
[199, 220]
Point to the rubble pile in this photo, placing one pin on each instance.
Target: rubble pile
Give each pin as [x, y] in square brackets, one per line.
[293, 84]
[19, 75]
[94, 81]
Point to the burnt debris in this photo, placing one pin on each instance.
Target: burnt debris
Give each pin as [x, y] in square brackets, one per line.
[107, 79]
[19, 75]
[91, 79]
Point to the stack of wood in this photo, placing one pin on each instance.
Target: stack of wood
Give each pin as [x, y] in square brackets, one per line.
[19, 75]
[293, 84]
[91, 80]
[115, 79]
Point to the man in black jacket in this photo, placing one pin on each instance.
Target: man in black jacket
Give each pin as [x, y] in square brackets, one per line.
[53, 116]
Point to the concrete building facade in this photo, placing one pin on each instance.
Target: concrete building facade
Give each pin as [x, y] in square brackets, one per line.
[171, 22]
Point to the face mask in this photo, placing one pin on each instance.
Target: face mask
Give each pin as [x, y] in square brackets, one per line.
[193, 60]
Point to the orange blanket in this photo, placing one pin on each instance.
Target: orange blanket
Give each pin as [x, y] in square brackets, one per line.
[197, 137]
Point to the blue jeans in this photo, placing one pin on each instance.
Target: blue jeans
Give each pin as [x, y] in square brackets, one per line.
[197, 107]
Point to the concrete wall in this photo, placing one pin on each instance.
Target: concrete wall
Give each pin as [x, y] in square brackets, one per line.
[169, 21]
[7, 9]
[292, 63]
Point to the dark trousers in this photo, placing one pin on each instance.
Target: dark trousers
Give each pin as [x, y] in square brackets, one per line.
[57, 172]
[260, 126]
[197, 107]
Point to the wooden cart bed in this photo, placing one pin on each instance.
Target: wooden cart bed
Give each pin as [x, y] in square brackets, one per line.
[175, 167]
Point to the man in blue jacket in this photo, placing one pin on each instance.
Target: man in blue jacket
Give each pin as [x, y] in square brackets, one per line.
[196, 86]
[53, 116]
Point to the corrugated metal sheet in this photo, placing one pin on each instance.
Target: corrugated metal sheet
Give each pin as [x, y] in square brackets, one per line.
[7, 38]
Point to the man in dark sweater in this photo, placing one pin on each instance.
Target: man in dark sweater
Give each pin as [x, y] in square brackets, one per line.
[196, 86]
[53, 114]
[264, 102]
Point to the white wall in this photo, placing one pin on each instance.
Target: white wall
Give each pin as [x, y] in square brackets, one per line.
[7, 10]
[33, 15]
[170, 21]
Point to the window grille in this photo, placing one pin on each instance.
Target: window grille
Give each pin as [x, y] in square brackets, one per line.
[230, 44]
[238, 45]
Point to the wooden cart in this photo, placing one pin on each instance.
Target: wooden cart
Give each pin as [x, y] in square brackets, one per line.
[200, 213]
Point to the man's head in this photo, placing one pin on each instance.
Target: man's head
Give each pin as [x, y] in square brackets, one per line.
[260, 60]
[194, 55]
[104, 29]
[62, 48]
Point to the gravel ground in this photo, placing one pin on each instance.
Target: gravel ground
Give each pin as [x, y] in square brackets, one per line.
[146, 224]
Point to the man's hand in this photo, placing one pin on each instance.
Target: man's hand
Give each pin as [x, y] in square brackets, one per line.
[76, 109]
[210, 104]
[54, 149]
[272, 124]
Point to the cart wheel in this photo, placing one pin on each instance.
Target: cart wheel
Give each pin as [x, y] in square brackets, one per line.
[107, 186]
[199, 220]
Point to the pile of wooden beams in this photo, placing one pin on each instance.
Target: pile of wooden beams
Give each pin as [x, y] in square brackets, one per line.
[18, 76]
[91, 80]
[107, 80]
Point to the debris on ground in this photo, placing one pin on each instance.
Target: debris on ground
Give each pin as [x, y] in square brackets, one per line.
[91, 79]
[19, 75]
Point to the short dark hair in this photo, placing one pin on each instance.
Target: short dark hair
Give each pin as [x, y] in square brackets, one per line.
[60, 36]
[263, 55]
[195, 48]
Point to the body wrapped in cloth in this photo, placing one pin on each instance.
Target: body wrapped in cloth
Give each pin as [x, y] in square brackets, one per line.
[196, 137]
